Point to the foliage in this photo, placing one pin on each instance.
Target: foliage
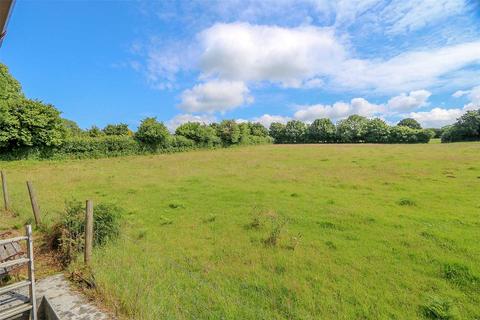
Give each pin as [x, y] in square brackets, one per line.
[95, 132]
[152, 133]
[10, 88]
[376, 131]
[229, 132]
[277, 132]
[295, 132]
[68, 236]
[71, 128]
[200, 133]
[104, 146]
[404, 134]
[120, 129]
[29, 123]
[467, 128]
[352, 129]
[257, 129]
[409, 122]
[321, 130]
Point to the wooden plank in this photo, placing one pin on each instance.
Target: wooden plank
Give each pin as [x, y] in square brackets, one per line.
[16, 239]
[5, 314]
[12, 263]
[33, 200]
[88, 232]
[14, 286]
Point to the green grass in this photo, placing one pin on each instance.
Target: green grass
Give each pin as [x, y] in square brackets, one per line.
[281, 231]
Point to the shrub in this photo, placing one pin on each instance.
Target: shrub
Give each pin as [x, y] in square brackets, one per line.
[68, 235]
[466, 128]
[229, 132]
[120, 129]
[152, 133]
[200, 133]
[88, 147]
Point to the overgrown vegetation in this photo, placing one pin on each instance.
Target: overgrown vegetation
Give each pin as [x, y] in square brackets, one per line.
[68, 236]
[467, 128]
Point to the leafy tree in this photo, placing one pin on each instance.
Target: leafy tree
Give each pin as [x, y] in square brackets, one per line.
[120, 129]
[71, 128]
[95, 132]
[10, 88]
[245, 133]
[295, 131]
[469, 125]
[321, 130]
[410, 122]
[277, 132]
[29, 123]
[198, 132]
[257, 129]
[152, 133]
[377, 131]
[352, 129]
[229, 132]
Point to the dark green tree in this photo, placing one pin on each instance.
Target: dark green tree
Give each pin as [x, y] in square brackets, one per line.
[377, 131]
[277, 132]
[95, 132]
[10, 88]
[352, 129]
[410, 122]
[257, 129]
[29, 123]
[71, 128]
[229, 132]
[295, 132]
[321, 130]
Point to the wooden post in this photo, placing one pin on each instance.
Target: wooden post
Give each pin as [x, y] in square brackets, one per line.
[6, 200]
[33, 200]
[88, 232]
[31, 271]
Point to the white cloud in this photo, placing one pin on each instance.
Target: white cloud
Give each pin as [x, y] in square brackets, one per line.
[409, 15]
[437, 117]
[460, 93]
[338, 110]
[289, 56]
[215, 96]
[179, 119]
[267, 119]
[294, 57]
[406, 102]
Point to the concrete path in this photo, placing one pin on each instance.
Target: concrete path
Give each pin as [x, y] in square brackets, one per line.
[67, 304]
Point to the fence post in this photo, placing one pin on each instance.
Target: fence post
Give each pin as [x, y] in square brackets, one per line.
[88, 232]
[6, 200]
[33, 200]
[31, 271]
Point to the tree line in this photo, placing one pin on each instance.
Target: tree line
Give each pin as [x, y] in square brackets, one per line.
[31, 128]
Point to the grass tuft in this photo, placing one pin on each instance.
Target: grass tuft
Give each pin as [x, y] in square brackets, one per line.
[439, 309]
[405, 202]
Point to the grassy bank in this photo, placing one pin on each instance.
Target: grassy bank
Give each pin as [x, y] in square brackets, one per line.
[359, 231]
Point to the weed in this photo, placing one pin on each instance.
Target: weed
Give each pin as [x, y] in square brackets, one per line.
[330, 245]
[438, 308]
[294, 242]
[210, 218]
[460, 275]
[329, 225]
[165, 221]
[277, 225]
[406, 202]
[175, 205]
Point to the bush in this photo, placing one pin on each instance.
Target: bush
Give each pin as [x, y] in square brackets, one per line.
[152, 133]
[68, 236]
[467, 128]
[229, 132]
[120, 129]
[200, 133]
[105, 146]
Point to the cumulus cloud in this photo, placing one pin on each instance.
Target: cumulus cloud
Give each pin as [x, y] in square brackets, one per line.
[268, 119]
[289, 56]
[338, 110]
[215, 96]
[294, 57]
[179, 119]
[407, 102]
[437, 117]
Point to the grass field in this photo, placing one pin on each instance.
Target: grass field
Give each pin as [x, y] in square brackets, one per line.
[281, 231]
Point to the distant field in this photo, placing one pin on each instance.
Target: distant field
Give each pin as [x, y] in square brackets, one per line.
[281, 231]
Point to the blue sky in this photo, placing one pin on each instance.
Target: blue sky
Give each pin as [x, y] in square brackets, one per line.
[105, 62]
